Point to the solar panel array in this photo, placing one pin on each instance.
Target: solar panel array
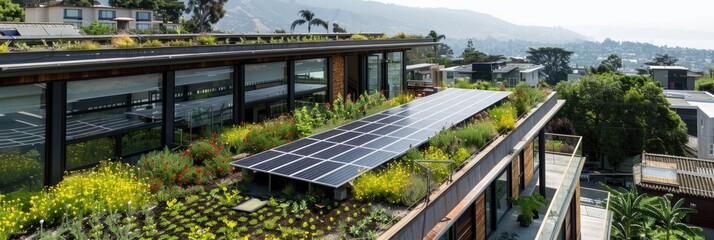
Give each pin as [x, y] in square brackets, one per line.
[334, 157]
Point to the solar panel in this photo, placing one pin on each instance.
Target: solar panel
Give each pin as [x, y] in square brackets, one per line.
[334, 157]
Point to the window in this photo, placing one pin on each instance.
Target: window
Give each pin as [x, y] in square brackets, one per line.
[143, 26]
[73, 14]
[143, 16]
[107, 111]
[204, 102]
[374, 73]
[450, 75]
[107, 14]
[266, 90]
[711, 149]
[310, 81]
[22, 131]
[394, 74]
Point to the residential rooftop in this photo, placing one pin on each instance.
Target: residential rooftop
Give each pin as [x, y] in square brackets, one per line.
[674, 174]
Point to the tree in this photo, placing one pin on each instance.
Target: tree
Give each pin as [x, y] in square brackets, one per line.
[663, 60]
[206, 13]
[476, 56]
[627, 217]
[704, 84]
[336, 28]
[620, 116]
[11, 12]
[437, 38]
[308, 17]
[612, 63]
[555, 60]
[469, 47]
[167, 10]
[78, 3]
[668, 218]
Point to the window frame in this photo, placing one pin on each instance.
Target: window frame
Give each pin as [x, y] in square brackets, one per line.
[143, 24]
[143, 19]
[78, 17]
[101, 17]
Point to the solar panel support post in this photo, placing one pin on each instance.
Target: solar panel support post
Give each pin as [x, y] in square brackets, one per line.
[270, 182]
[56, 130]
[541, 161]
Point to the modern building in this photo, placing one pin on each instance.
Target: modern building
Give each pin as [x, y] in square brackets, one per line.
[514, 73]
[423, 77]
[674, 77]
[55, 12]
[688, 178]
[696, 109]
[61, 112]
[450, 74]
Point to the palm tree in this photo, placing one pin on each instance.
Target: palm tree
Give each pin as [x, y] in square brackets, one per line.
[668, 218]
[437, 37]
[336, 28]
[309, 18]
[627, 216]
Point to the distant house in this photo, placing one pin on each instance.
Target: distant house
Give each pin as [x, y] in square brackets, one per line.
[423, 77]
[674, 77]
[55, 12]
[577, 73]
[688, 178]
[696, 109]
[510, 73]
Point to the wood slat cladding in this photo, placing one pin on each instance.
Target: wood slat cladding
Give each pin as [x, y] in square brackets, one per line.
[576, 199]
[338, 75]
[528, 163]
[480, 206]
[464, 226]
[514, 177]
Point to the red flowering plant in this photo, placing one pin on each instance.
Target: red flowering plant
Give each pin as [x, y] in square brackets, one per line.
[211, 154]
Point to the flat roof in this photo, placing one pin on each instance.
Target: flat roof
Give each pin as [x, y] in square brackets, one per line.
[419, 65]
[668, 68]
[695, 176]
[685, 98]
[532, 69]
[337, 156]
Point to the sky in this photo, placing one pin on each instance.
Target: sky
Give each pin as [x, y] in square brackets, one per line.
[692, 19]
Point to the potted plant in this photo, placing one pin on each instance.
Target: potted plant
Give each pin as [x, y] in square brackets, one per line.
[528, 206]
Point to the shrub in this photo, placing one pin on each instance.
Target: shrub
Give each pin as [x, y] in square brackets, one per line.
[463, 83]
[504, 117]
[383, 185]
[123, 41]
[5, 47]
[476, 134]
[703, 84]
[110, 187]
[180, 43]
[446, 140]
[400, 35]
[234, 136]
[402, 99]
[96, 29]
[272, 133]
[84, 45]
[358, 37]
[153, 43]
[206, 39]
[439, 171]
[289, 189]
[525, 97]
[553, 145]
[163, 166]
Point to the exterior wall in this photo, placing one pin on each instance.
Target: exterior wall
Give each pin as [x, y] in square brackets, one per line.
[338, 76]
[528, 163]
[481, 217]
[531, 78]
[55, 14]
[705, 132]
[576, 199]
[465, 226]
[661, 76]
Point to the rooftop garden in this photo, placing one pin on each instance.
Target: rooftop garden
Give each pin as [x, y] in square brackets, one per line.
[191, 193]
[126, 41]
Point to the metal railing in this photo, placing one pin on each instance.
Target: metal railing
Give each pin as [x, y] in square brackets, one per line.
[559, 204]
[598, 199]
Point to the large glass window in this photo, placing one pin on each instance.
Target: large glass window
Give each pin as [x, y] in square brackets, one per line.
[107, 14]
[394, 73]
[101, 113]
[374, 73]
[73, 14]
[502, 193]
[204, 102]
[22, 142]
[311, 81]
[143, 26]
[266, 90]
[489, 210]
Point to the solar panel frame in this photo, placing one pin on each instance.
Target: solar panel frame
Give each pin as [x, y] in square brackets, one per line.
[332, 156]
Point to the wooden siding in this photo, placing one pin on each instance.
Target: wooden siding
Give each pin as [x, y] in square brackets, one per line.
[514, 177]
[528, 162]
[576, 199]
[338, 75]
[481, 217]
[464, 226]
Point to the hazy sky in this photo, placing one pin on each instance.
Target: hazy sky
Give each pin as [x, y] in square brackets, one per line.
[688, 15]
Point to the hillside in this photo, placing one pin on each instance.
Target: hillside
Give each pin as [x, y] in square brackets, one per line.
[367, 16]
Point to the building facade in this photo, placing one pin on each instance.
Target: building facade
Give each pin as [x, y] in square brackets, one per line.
[672, 77]
[55, 12]
[71, 110]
